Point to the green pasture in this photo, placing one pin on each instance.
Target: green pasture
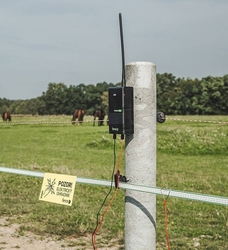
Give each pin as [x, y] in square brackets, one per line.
[191, 156]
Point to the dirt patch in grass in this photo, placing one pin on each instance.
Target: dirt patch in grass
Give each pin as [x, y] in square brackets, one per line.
[11, 237]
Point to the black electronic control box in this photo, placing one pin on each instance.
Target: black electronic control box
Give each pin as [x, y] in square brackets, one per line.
[121, 112]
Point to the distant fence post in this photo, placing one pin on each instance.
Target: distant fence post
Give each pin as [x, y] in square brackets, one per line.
[140, 159]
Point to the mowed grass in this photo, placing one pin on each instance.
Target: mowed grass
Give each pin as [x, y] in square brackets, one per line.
[191, 156]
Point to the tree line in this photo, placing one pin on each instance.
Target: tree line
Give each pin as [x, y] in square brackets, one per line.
[175, 96]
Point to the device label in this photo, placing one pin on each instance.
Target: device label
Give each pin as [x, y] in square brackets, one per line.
[115, 129]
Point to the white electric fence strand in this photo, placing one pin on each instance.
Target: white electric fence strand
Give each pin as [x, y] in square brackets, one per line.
[197, 121]
[91, 121]
[140, 188]
[31, 123]
[42, 122]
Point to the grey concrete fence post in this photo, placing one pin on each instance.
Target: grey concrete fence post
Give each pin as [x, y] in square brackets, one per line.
[140, 159]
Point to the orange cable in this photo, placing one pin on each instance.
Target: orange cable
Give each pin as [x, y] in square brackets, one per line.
[110, 203]
[102, 218]
[120, 156]
[166, 224]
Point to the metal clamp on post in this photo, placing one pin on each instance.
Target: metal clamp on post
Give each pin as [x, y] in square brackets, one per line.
[119, 178]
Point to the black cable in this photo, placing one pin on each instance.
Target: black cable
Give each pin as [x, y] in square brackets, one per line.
[114, 154]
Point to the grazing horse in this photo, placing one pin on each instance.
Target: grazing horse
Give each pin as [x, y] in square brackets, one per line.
[78, 114]
[6, 116]
[100, 114]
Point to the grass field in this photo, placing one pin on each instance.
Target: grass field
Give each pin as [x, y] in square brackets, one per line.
[191, 156]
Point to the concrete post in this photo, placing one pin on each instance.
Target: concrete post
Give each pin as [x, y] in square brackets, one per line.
[140, 159]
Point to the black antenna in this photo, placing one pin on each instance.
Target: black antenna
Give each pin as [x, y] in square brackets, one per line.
[123, 82]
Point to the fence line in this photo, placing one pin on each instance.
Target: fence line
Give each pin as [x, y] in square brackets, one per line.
[219, 200]
[42, 122]
[194, 120]
[91, 121]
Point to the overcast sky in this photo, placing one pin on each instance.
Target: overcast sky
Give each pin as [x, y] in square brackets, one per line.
[78, 41]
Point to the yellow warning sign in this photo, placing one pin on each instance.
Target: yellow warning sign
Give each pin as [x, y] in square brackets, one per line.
[58, 188]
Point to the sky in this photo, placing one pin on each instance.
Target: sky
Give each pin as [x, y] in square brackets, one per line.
[78, 41]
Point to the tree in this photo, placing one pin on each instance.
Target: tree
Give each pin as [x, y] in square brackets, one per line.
[55, 97]
[166, 84]
[208, 96]
[211, 94]
[104, 99]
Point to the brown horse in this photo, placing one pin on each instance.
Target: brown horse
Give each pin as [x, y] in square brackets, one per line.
[6, 116]
[100, 114]
[78, 114]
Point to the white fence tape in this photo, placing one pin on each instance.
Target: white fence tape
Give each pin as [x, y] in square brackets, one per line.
[90, 121]
[43, 122]
[197, 121]
[154, 190]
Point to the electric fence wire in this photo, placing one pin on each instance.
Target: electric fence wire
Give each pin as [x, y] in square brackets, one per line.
[44, 122]
[91, 121]
[218, 200]
[195, 120]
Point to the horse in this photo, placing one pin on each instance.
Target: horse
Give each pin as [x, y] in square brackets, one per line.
[78, 114]
[100, 114]
[6, 116]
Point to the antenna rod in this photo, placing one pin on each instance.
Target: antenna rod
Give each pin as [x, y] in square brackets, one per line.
[122, 50]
